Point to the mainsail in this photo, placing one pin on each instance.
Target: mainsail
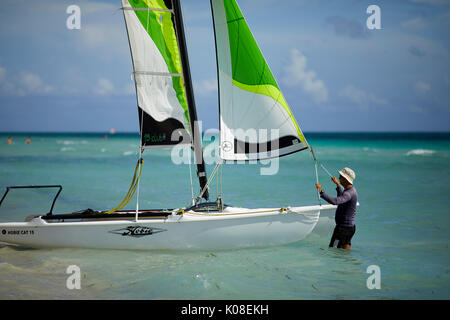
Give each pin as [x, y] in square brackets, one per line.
[255, 120]
[166, 106]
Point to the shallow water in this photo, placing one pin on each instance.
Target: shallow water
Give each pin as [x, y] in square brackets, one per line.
[402, 221]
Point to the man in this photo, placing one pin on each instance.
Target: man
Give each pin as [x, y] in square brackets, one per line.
[346, 201]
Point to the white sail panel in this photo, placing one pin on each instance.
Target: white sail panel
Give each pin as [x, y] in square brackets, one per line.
[262, 122]
[255, 120]
[159, 81]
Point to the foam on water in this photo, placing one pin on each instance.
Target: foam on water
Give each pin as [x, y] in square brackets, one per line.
[70, 142]
[420, 152]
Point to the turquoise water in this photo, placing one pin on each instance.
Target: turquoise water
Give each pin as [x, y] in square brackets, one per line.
[402, 223]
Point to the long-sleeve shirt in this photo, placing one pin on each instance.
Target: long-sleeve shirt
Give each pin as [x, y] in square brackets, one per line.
[346, 201]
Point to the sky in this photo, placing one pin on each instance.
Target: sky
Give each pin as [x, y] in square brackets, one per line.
[335, 73]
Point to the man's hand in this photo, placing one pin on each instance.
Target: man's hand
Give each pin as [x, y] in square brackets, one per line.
[335, 180]
[319, 187]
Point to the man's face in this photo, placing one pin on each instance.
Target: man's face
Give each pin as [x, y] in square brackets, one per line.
[342, 180]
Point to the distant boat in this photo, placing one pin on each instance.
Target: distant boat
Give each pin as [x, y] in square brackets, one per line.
[249, 99]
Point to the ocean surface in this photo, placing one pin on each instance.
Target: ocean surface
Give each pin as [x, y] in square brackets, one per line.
[403, 220]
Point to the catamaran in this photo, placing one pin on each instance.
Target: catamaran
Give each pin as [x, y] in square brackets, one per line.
[250, 100]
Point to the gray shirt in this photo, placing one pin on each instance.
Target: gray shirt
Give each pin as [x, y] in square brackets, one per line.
[346, 201]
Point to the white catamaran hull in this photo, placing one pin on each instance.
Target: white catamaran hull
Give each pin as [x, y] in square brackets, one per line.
[326, 223]
[232, 228]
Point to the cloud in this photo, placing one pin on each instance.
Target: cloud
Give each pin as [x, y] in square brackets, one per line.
[206, 87]
[32, 83]
[28, 83]
[417, 109]
[416, 23]
[445, 17]
[345, 27]
[415, 51]
[432, 2]
[95, 35]
[2, 74]
[360, 97]
[101, 27]
[25, 83]
[48, 18]
[105, 87]
[129, 89]
[296, 75]
[98, 7]
[422, 87]
[421, 45]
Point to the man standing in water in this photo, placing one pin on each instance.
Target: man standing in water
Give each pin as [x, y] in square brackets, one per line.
[346, 201]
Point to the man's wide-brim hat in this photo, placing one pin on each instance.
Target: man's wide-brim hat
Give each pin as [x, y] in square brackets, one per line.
[348, 174]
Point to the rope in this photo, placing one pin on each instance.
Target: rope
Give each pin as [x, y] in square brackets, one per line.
[138, 188]
[217, 186]
[131, 191]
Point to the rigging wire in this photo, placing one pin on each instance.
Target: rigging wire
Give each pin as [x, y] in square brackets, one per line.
[217, 186]
[140, 162]
[331, 176]
[317, 174]
[221, 181]
[316, 164]
[190, 176]
[219, 164]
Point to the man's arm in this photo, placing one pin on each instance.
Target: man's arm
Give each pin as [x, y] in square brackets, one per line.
[338, 186]
[338, 200]
[341, 198]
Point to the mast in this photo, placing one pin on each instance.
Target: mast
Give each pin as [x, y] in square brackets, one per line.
[196, 134]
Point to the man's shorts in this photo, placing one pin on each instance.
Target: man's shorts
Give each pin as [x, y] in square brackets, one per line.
[342, 236]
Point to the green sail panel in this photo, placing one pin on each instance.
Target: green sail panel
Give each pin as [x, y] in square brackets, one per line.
[256, 121]
[161, 95]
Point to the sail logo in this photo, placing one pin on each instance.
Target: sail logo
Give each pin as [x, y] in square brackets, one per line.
[154, 138]
[227, 146]
[137, 231]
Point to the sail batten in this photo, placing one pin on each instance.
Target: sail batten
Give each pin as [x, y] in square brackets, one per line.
[146, 9]
[252, 108]
[155, 73]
